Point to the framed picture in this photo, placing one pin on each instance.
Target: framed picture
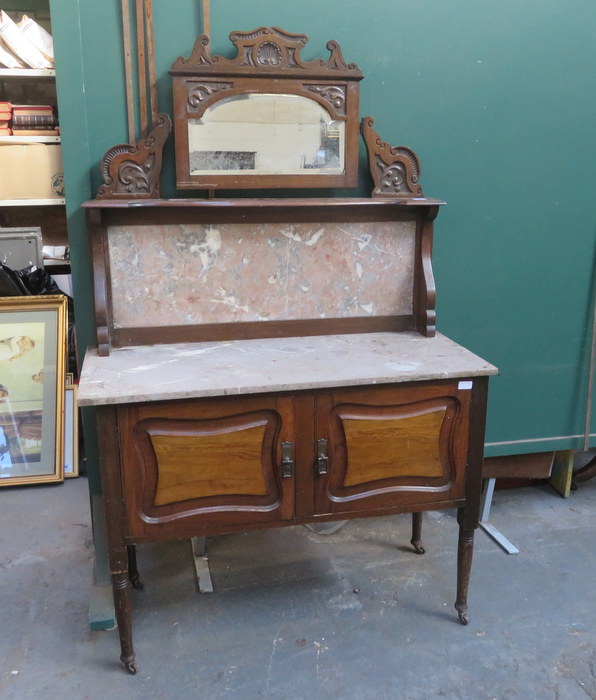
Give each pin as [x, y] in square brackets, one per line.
[32, 369]
[71, 431]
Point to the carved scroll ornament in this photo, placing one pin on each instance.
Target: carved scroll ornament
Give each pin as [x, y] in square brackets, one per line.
[133, 172]
[199, 93]
[395, 170]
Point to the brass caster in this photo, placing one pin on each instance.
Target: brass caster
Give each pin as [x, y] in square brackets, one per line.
[463, 617]
[418, 548]
[136, 583]
[130, 665]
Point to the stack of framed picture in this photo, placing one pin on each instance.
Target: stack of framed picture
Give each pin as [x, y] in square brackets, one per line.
[38, 413]
[71, 429]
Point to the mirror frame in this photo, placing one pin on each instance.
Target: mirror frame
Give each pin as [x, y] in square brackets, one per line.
[268, 62]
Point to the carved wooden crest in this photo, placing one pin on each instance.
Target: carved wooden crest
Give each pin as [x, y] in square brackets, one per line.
[133, 172]
[395, 170]
[266, 50]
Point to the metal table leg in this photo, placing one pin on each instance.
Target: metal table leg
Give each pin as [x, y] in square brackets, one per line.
[491, 531]
[201, 560]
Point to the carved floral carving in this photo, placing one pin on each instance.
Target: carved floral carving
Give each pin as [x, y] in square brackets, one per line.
[133, 171]
[199, 93]
[335, 95]
[395, 170]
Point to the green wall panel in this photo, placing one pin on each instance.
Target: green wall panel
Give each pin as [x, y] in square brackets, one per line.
[498, 100]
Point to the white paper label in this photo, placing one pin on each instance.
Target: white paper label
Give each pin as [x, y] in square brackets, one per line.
[462, 386]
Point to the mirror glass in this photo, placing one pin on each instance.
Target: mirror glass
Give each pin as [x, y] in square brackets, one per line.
[266, 134]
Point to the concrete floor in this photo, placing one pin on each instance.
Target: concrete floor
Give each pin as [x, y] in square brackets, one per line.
[297, 615]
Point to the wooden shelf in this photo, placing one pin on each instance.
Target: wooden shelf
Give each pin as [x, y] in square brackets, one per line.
[57, 267]
[27, 73]
[29, 139]
[32, 202]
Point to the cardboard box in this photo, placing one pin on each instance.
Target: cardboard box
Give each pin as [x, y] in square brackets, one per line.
[31, 171]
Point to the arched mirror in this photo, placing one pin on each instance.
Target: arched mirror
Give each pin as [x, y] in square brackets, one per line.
[266, 118]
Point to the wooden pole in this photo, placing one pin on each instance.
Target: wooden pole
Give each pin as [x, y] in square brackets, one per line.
[142, 66]
[206, 18]
[151, 61]
[130, 100]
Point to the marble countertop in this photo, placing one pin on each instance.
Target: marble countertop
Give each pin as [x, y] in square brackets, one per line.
[193, 370]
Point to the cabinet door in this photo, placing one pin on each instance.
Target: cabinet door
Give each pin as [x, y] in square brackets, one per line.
[393, 446]
[204, 465]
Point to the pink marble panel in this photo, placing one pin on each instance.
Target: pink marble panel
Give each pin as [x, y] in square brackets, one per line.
[191, 274]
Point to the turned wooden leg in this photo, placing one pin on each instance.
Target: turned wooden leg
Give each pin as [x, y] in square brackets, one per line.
[417, 533]
[133, 571]
[465, 550]
[121, 588]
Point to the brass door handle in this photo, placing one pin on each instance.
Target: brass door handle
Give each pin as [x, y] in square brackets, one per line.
[322, 457]
[287, 460]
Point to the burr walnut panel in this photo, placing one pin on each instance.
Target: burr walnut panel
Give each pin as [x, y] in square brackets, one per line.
[189, 462]
[411, 444]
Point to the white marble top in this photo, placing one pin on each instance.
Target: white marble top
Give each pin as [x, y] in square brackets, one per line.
[192, 370]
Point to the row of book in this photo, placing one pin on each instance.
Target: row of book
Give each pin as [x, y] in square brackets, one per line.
[25, 44]
[28, 120]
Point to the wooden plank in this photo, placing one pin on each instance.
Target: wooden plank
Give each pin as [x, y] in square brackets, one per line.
[123, 337]
[206, 17]
[142, 66]
[535, 465]
[151, 61]
[130, 101]
[562, 472]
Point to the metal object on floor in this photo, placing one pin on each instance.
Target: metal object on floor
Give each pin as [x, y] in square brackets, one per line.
[201, 560]
[326, 528]
[586, 472]
[491, 530]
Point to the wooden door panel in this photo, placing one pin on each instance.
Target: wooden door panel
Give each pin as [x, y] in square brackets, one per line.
[403, 446]
[392, 446]
[214, 461]
[229, 458]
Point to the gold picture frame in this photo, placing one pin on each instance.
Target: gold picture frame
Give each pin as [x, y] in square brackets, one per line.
[71, 431]
[32, 372]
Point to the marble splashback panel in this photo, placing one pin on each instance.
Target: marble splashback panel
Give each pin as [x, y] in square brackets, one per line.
[192, 273]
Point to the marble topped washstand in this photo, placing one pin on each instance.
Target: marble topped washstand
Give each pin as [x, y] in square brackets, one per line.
[264, 363]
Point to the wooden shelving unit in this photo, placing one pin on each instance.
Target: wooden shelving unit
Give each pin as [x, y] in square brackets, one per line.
[28, 86]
